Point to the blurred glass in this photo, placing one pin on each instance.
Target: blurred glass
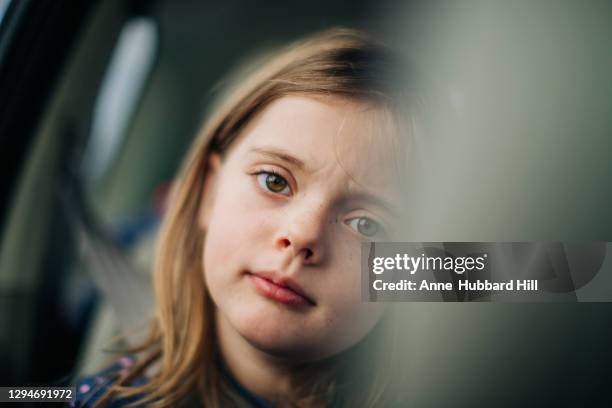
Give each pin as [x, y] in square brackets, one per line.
[3, 7]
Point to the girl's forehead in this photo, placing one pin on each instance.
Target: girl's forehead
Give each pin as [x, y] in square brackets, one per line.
[327, 135]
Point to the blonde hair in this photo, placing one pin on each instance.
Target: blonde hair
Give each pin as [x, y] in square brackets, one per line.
[341, 63]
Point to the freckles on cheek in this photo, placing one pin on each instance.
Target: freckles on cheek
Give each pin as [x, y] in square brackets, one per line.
[350, 255]
[241, 219]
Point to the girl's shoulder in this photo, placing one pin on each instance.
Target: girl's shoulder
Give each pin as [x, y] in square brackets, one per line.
[90, 389]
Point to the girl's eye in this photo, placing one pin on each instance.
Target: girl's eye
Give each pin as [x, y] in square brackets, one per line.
[365, 226]
[273, 183]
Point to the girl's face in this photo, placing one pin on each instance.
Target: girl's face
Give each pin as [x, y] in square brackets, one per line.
[285, 213]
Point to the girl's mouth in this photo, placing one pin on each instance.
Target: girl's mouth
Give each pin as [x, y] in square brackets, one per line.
[280, 290]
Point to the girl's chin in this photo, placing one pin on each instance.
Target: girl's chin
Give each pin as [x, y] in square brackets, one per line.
[280, 340]
[293, 353]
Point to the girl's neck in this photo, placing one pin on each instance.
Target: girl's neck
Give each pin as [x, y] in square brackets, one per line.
[266, 376]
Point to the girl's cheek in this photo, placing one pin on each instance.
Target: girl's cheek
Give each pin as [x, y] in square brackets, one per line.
[243, 216]
[343, 277]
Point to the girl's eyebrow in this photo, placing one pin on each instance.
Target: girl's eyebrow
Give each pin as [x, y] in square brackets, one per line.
[279, 154]
[377, 200]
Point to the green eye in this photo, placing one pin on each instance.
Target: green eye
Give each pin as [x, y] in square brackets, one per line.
[365, 226]
[273, 183]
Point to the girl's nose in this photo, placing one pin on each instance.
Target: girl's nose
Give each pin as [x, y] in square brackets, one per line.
[304, 236]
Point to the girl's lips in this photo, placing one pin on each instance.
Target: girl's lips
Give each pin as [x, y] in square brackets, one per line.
[278, 291]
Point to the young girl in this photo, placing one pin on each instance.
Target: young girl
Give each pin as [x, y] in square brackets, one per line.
[257, 274]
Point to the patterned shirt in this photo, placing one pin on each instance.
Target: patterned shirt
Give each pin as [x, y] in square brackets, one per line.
[90, 389]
